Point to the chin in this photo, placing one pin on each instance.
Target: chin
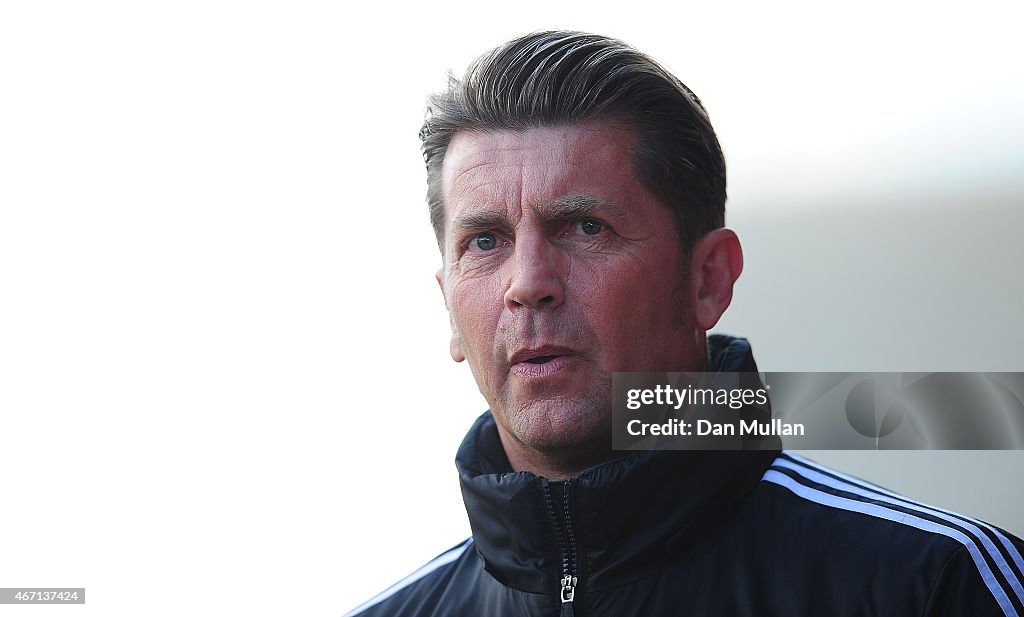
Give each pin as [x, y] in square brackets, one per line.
[555, 425]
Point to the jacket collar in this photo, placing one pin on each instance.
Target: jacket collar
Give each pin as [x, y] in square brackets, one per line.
[629, 515]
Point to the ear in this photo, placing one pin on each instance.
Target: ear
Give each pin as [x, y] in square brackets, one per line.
[454, 346]
[715, 263]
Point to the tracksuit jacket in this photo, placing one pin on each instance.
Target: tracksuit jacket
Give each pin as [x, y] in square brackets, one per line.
[704, 533]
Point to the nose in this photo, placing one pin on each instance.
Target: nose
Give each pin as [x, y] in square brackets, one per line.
[537, 279]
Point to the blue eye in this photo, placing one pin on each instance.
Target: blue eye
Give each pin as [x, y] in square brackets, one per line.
[591, 228]
[485, 242]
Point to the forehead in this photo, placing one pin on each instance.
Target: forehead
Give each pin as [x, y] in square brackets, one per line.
[525, 169]
[564, 143]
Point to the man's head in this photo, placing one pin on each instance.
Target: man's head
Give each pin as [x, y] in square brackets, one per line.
[577, 190]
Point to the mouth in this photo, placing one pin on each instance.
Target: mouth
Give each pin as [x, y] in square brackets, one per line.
[540, 355]
[542, 361]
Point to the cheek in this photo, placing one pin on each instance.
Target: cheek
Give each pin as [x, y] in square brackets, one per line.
[475, 307]
[632, 286]
[640, 305]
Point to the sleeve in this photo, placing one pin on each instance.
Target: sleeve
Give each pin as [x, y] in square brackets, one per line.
[980, 584]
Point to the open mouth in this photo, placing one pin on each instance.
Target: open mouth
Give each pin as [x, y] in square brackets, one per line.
[541, 359]
[543, 363]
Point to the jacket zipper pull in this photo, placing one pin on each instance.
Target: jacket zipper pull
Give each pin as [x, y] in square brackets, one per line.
[568, 592]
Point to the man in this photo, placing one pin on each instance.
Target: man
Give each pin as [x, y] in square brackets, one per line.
[577, 191]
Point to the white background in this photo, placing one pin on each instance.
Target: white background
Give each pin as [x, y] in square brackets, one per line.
[224, 379]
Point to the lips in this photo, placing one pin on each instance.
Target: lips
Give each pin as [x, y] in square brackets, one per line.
[540, 355]
[541, 364]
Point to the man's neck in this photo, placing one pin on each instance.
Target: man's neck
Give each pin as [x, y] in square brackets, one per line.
[558, 465]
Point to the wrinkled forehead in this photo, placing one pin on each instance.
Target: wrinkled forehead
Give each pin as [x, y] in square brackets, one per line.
[530, 166]
[556, 141]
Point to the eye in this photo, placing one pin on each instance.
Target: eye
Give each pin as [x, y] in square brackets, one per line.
[590, 227]
[485, 241]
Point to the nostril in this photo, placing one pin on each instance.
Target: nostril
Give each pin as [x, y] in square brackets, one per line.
[546, 300]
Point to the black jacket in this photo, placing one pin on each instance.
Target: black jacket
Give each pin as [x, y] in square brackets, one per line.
[704, 533]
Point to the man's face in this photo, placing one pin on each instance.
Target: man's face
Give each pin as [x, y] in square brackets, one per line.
[560, 269]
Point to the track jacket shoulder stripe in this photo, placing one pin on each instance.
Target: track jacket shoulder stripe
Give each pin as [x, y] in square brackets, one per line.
[436, 569]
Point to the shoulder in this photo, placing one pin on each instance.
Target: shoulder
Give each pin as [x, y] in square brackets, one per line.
[418, 591]
[944, 550]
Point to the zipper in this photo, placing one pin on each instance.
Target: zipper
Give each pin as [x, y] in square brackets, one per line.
[566, 536]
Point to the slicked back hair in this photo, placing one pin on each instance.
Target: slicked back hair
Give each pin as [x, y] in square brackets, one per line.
[558, 78]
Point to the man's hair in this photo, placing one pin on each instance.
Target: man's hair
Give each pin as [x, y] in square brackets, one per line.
[559, 78]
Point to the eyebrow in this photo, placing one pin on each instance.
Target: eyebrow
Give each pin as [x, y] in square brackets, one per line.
[481, 221]
[576, 207]
[567, 208]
